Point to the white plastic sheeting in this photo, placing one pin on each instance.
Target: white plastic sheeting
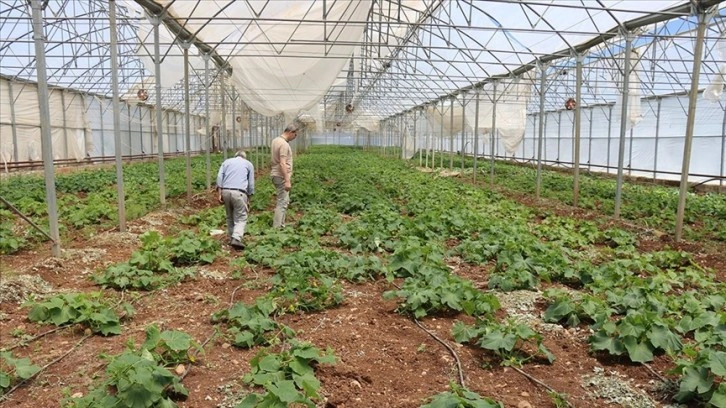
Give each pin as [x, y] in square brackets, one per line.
[67, 121]
[271, 82]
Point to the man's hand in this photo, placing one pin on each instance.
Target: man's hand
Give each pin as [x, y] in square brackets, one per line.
[219, 196]
[288, 185]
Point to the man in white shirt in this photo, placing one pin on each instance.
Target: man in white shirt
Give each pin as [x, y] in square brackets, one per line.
[281, 172]
[235, 186]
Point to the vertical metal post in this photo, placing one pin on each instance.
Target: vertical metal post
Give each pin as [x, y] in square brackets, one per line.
[476, 130]
[463, 129]
[657, 136]
[101, 110]
[66, 150]
[13, 122]
[494, 131]
[206, 119]
[723, 149]
[542, 84]
[234, 120]
[415, 125]
[610, 133]
[441, 137]
[156, 20]
[47, 142]
[223, 125]
[623, 123]
[187, 125]
[559, 136]
[692, 101]
[116, 119]
[451, 135]
[578, 124]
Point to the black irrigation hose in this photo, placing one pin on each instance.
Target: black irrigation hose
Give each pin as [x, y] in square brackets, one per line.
[18, 385]
[451, 350]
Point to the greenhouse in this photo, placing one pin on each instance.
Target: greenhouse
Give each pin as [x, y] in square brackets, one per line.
[495, 203]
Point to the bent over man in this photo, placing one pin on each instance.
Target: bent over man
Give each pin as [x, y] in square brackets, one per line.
[235, 186]
[281, 172]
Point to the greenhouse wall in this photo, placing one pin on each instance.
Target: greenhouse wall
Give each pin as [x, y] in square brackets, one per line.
[82, 127]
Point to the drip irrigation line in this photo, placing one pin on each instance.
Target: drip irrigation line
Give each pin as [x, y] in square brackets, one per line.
[231, 300]
[538, 382]
[451, 350]
[655, 373]
[34, 338]
[189, 366]
[18, 385]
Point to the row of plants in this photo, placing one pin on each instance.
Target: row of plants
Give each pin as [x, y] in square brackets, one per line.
[88, 199]
[650, 205]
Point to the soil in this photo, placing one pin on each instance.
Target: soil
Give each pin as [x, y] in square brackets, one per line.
[384, 359]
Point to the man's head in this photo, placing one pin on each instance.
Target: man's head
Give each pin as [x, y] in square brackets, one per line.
[241, 153]
[290, 132]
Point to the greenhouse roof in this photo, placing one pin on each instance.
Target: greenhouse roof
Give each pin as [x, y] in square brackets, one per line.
[379, 57]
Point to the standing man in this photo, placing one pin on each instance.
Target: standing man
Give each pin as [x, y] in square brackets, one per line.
[282, 172]
[235, 186]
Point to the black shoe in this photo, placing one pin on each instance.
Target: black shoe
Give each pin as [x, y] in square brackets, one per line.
[236, 243]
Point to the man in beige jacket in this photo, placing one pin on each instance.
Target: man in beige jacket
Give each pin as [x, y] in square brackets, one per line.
[282, 172]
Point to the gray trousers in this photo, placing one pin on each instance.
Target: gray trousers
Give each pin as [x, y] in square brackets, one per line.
[283, 199]
[235, 205]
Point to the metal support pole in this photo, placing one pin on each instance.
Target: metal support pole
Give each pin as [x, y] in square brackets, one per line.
[156, 20]
[578, 125]
[441, 135]
[542, 83]
[657, 137]
[723, 149]
[46, 146]
[13, 121]
[116, 119]
[100, 113]
[187, 125]
[692, 101]
[234, 120]
[463, 129]
[66, 150]
[451, 136]
[415, 125]
[223, 125]
[623, 123]
[493, 131]
[476, 131]
[206, 119]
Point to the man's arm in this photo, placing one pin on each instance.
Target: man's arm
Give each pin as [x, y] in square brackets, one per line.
[285, 171]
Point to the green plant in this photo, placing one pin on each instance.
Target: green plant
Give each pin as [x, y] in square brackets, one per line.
[135, 379]
[639, 334]
[288, 377]
[699, 377]
[189, 248]
[508, 341]
[252, 325]
[170, 346]
[460, 397]
[572, 310]
[307, 291]
[89, 310]
[430, 293]
[13, 369]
